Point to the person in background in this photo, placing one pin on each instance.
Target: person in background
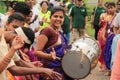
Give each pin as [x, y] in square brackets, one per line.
[104, 17]
[55, 2]
[109, 37]
[118, 6]
[12, 4]
[21, 7]
[95, 17]
[45, 14]
[78, 20]
[72, 3]
[28, 20]
[35, 19]
[66, 24]
[50, 5]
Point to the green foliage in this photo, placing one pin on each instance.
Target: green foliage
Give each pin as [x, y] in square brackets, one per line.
[2, 7]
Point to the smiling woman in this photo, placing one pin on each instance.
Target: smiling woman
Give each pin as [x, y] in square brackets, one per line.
[51, 42]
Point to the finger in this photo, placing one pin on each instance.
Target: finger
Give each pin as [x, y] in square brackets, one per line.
[20, 51]
[57, 76]
[53, 49]
[18, 37]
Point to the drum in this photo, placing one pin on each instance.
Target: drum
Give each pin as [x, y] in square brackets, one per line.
[81, 58]
[90, 48]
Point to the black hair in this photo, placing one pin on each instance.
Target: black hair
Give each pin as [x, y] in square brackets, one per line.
[106, 3]
[13, 3]
[43, 2]
[15, 16]
[30, 35]
[22, 7]
[56, 9]
[111, 4]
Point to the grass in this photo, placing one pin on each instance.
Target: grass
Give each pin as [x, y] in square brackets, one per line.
[90, 31]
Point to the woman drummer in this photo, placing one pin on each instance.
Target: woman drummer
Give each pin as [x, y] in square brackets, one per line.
[51, 42]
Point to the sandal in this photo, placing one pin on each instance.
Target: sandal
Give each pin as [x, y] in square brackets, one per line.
[108, 73]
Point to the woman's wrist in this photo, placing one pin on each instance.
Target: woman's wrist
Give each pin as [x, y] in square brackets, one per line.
[12, 49]
[49, 56]
[6, 59]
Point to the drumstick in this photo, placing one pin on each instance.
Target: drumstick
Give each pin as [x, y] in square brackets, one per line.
[58, 58]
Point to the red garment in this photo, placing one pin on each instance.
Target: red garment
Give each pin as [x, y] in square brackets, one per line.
[115, 75]
[101, 42]
[51, 35]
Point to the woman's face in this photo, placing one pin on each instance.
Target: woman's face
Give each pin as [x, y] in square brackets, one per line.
[14, 24]
[57, 19]
[44, 6]
[111, 9]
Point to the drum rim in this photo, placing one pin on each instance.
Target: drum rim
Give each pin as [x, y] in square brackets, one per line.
[99, 51]
[83, 76]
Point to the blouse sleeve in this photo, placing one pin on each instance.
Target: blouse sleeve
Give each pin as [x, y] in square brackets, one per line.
[46, 32]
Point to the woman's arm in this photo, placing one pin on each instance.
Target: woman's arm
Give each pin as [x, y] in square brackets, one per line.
[16, 44]
[42, 40]
[6, 59]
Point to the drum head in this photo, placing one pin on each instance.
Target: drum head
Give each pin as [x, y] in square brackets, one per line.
[76, 64]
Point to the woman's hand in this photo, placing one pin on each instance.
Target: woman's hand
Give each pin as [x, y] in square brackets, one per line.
[53, 54]
[37, 64]
[17, 43]
[51, 75]
[24, 56]
[44, 20]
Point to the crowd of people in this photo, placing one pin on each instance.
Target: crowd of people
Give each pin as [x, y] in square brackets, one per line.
[34, 36]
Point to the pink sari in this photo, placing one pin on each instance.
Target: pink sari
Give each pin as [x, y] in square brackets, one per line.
[101, 41]
[116, 66]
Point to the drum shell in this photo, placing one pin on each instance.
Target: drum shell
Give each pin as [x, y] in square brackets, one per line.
[89, 47]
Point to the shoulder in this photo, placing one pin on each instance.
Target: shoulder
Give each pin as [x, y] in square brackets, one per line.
[47, 31]
[117, 17]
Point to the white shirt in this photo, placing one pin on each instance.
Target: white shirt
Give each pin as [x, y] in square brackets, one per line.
[4, 48]
[35, 11]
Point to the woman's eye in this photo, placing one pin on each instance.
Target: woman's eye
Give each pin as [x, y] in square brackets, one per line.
[61, 16]
[55, 16]
[15, 26]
